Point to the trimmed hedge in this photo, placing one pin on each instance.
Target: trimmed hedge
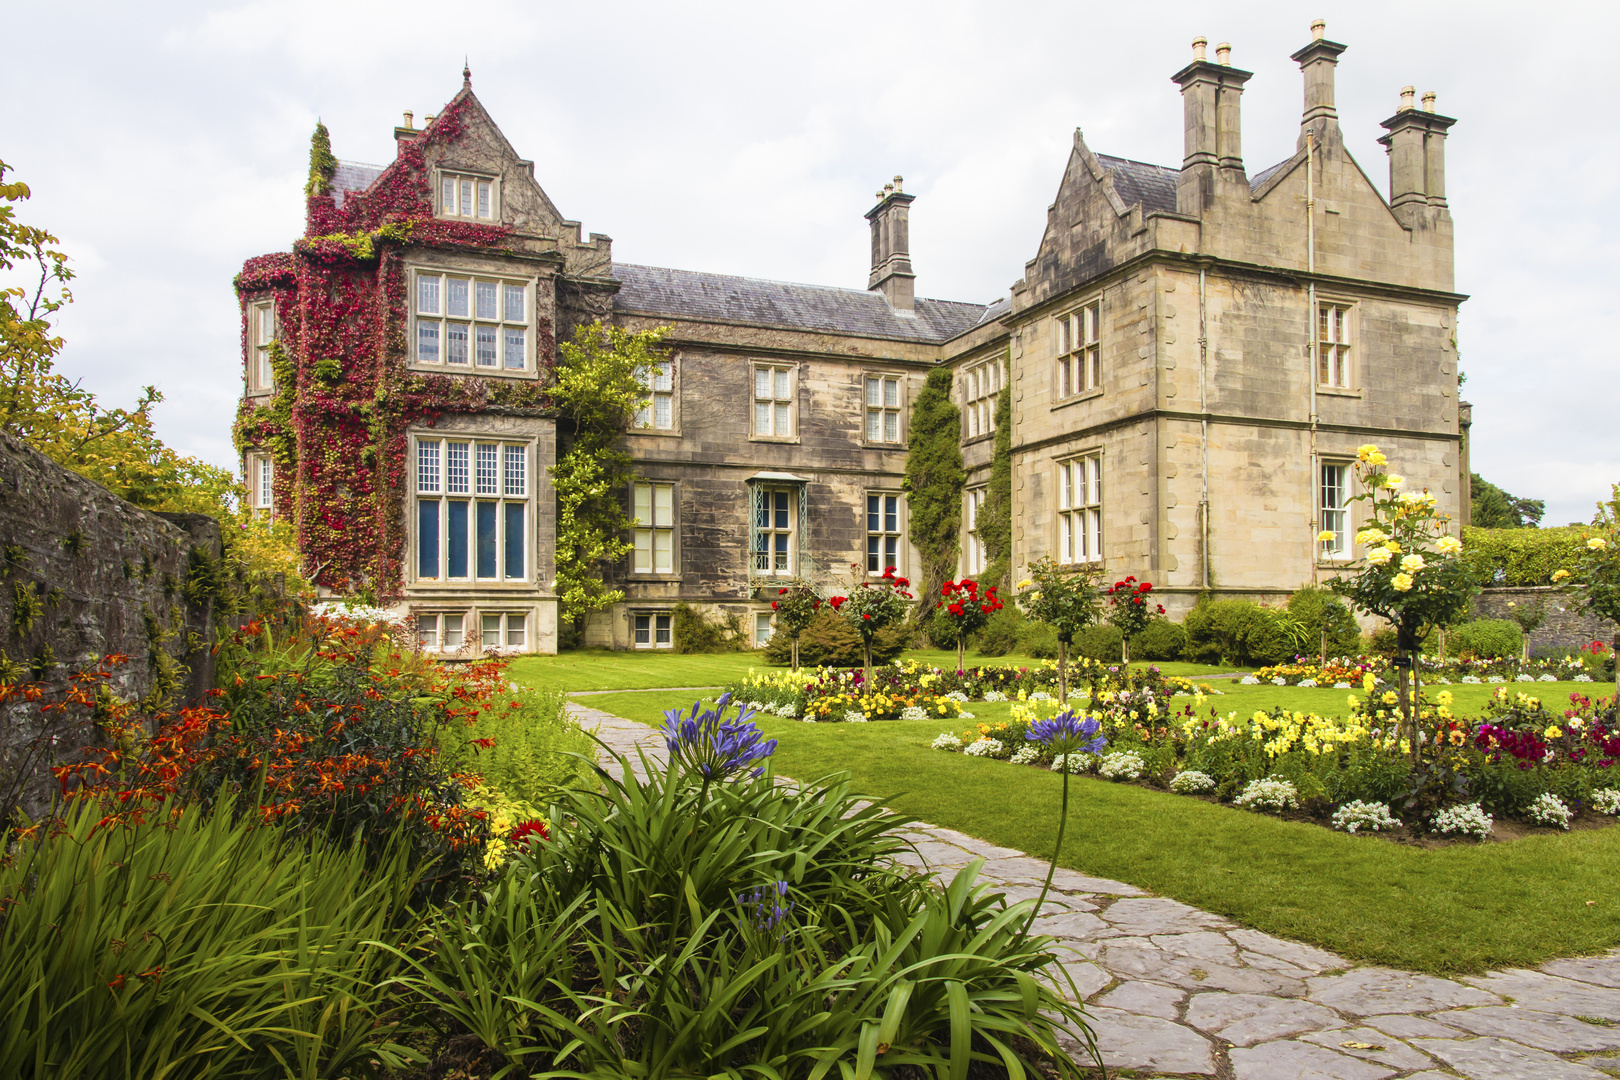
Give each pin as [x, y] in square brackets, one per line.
[830, 641]
[1487, 639]
[1160, 640]
[1521, 556]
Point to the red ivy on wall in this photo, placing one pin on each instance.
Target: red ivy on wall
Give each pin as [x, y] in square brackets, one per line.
[345, 397]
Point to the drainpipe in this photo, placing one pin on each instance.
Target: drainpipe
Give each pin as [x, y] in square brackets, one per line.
[1203, 428]
[1310, 331]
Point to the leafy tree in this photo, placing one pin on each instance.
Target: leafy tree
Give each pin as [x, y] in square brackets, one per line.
[1596, 581]
[600, 387]
[995, 516]
[934, 479]
[1493, 508]
[1065, 598]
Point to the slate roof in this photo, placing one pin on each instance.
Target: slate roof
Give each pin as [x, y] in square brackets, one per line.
[1258, 179]
[691, 294]
[352, 176]
[1154, 186]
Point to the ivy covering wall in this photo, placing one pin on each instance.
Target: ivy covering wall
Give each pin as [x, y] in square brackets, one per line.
[995, 516]
[933, 484]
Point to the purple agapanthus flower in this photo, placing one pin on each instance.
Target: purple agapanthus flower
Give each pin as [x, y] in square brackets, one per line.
[766, 904]
[1067, 733]
[711, 746]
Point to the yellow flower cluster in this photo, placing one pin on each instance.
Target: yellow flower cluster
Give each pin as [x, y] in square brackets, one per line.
[882, 706]
[1370, 455]
[784, 680]
[1278, 733]
[505, 814]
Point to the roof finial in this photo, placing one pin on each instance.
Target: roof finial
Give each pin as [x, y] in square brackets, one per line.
[466, 74]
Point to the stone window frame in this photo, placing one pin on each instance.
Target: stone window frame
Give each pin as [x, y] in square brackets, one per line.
[504, 630]
[260, 378]
[1319, 493]
[979, 398]
[883, 410]
[766, 621]
[1071, 347]
[460, 177]
[1087, 514]
[1340, 353]
[652, 616]
[974, 557]
[439, 491]
[673, 529]
[646, 421]
[259, 475]
[790, 400]
[884, 535]
[503, 280]
[441, 629]
[762, 496]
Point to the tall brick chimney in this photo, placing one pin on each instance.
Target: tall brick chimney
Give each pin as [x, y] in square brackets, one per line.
[891, 248]
[1318, 61]
[1416, 143]
[1212, 124]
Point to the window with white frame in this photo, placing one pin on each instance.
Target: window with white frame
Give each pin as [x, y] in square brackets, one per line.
[882, 533]
[262, 330]
[472, 509]
[658, 381]
[762, 629]
[883, 408]
[775, 513]
[980, 387]
[974, 555]
[441, 630]
[471, 321]
[468, 197]
[1335, 510]
[502, 630]
[773, 400]
[1080, 509]
[261, 477]
[1333, 345]
[654, 534]
[1079, 349]
[652, 631]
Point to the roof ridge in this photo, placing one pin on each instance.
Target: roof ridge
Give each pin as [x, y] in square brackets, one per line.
[794, 284]
[1134, 161]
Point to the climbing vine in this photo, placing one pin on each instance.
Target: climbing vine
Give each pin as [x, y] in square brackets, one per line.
[995, 516]
[934, 479]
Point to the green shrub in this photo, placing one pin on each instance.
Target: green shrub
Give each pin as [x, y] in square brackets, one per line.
[532, 746]
[1215, 630]
[1001, 632]
[195, 946]
[1038, 640]
[1381, 642]
[1318, 609]
[1487, 639]
[1102, 643]
[1270, 637]
[1521, 556]
[1162, 640]
[829, 641]
[695, 633]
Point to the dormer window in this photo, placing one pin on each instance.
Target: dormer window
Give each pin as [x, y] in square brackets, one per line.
[467, 196]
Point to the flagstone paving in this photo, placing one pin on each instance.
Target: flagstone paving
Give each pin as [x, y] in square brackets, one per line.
[1174, 991]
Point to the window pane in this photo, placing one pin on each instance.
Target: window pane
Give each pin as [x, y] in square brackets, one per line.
[661, 629]
[486, 295]
[514, 542]
[873, 508]
[663, 409]
[1065, 487]
[663, 377]
[643, 630]
[513, 353]
[782, 383]
[781, 509]
[891, 513]
[456, 546]
[455, 296]
[448, 196]
[427, 293]
[874, 426]
[663, 505]
[483, 200]
[762, 382]
[1065, 538]
[514, 302]
[781, 551]
[973, 384]
[663, 551]
[1063, 335]
[517, 470]
[488, 465]
[455, 343]
[452, 631]
[762, 630]
[891, 427]
[762, 552]
[486, 539]
[455, 468]
[1096, 480]
[427, 342]
[486, 346]
[514, 630]
[643, 552]
[762, 418]
[427, 465]
[266, 476]
[874, 392]
[467, 198]
[891, 393]
[427, 631]
[427, 538]
[891, 545]
[491, 627]
[643, 504]
[872, 566]
[782, 425]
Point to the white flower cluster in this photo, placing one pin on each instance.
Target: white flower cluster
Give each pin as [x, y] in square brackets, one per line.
[1307, 682]
[1073, 763]
[357, 614]
[913, 712]
[994, 695]
[991, 748]
[854, 716]
[1548, 678]
[1040, 695]
[1273, 793]
[1249, 680]
[1606, 801]
[787, 710]
[1279, 681]
[965, 715]
[1470, 680]
[947, 741]
[1123, 765]
[1525, 678]
[1549, 809]
[1355, 815]
[1342, 686]
[1470, 820]
[1496, 679]
[1191, 781]
[1582, 678]
[1028, 754]
[957, 696]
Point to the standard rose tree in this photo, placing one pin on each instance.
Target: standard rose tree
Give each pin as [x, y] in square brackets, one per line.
[871, 606]
[1067, 599]
[1131, 609]
[965, 610]
[795, 608]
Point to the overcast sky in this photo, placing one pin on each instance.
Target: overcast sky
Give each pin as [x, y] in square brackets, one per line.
[167, 142]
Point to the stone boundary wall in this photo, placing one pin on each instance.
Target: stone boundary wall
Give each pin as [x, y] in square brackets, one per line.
[1567, 624]
[85, 574]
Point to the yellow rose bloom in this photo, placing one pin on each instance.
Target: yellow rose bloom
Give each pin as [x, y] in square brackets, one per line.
[1393, 481]
[1597, 543]
[1026, 583]
[1412, 563]
[1401, 582]
[1368, 682]
[1327, 536]
[1560, 575]
[1376, 458]
[1370, 536]
[1448, 545]
[1379, 556]
[1392, 547]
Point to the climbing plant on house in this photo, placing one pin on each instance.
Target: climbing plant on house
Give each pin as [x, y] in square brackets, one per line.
[933, 484]
[994, 525]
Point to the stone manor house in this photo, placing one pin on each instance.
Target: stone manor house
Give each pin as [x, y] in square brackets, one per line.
[1194, 354]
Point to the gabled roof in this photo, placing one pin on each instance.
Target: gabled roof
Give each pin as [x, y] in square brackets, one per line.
[352, 176]
[690, 294]
[1258, 180]
[1154, 186]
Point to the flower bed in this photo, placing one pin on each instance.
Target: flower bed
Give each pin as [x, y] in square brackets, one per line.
[1350, 671]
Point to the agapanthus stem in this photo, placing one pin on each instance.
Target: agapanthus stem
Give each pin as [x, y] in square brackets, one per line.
[1063, 821]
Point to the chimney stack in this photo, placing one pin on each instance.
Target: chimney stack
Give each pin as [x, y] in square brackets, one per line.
[1416, 143]
[1318, 61]
[1212, 124]
[891, 248]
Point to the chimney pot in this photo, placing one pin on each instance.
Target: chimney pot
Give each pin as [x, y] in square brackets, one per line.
[1407, 93]
[1223, 54]
[1319, 30]
[428, 119]
[410, 119]
[891, 248]
[897, 180]
[1199, 43]
[1428, 100]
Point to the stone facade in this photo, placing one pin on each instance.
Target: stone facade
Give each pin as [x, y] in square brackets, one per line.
[1193, 353]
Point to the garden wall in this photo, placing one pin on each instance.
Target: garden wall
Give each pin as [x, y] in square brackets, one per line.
[85, 574]
[1567, 624]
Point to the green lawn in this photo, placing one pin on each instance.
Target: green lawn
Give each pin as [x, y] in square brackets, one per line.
[1462, 908]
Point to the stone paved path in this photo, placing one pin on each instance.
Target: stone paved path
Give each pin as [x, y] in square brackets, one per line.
[1174, 991]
